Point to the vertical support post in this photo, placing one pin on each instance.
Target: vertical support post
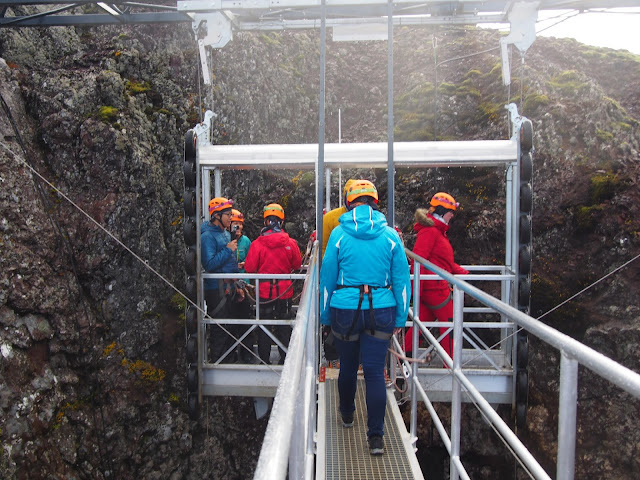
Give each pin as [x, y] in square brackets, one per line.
[456, 394]
[217, 185]
[340, 199]
[390, 162]
[328, 189]
[320, 163]
[567, 413]
[205, 193]
[413, 427]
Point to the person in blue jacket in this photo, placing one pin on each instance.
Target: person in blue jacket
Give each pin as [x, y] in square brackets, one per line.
[218, 252]
[365, 290]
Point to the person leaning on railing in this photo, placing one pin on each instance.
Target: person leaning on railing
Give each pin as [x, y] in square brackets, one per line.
[433, 244]
[365, 290]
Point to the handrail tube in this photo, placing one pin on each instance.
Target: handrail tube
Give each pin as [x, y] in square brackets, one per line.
[529, 461]
[311, 374]
[621, 376]
[567, 415]
[444, 436]
[486, 408]
[260, 276]
[272, 463]
[460, 468]
[414, 367]
[456, 395]
[467, 325]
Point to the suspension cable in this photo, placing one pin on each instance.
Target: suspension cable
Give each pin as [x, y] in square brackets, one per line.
[519, 329]
[125, 247]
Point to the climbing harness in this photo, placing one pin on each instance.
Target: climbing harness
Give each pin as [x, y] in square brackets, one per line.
[364, 289]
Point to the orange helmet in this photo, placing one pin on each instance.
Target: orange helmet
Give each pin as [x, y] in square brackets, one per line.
[347, 184]
[219, 204]
[361, 188]
[445, 200]
[237, 216]
[275, 210]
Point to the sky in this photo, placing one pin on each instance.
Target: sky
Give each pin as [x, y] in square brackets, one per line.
[616, 28]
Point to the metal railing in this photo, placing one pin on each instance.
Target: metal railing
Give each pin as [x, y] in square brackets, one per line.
[572, 353]
[286, 442]
[252, 323]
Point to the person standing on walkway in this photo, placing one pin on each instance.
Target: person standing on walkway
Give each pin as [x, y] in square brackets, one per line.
[276, 253]
[330, 219]
[218, 252]
[365, 289]
[242, 309]
[433, 244]
[237, 232]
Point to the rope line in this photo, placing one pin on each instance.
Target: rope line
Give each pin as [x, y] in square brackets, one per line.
[125, 247]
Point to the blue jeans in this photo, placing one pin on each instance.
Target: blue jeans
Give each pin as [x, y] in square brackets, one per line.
[371, 352]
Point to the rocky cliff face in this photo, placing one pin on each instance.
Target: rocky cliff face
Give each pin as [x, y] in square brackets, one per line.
[92, 373]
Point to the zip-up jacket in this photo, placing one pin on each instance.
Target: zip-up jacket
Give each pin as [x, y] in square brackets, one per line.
[363, 249]
[274, 252]
[433, 244]
[216, 256]
[330, 221]
[243, 249]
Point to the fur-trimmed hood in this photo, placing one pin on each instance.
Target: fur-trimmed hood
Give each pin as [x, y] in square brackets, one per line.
[421, 217]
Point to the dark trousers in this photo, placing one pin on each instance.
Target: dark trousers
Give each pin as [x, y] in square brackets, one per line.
[369, 351]
[219, 339]
[274, 310]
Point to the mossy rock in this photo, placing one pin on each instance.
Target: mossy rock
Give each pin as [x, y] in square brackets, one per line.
[603, 187]
[587, 218]
[535, 101]
[604, 136]
[569, 83]
[108, 114]
[136, 88]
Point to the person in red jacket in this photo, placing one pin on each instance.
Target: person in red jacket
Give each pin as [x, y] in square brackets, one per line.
[274, 252]
[433, 244]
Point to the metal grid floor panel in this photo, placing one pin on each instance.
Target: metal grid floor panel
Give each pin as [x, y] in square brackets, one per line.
[347, 451]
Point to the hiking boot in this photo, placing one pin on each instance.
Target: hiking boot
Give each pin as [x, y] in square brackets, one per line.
[376, 445]
[347, 420]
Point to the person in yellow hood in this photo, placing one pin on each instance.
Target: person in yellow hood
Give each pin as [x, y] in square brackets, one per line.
[330, 220]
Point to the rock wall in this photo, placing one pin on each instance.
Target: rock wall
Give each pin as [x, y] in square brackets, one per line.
[92, 366]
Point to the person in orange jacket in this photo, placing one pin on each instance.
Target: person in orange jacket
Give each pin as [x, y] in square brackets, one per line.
[274, 252]
[433, 244]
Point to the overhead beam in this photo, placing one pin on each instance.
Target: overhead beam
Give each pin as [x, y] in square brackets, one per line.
[94, 19]
[470, 153]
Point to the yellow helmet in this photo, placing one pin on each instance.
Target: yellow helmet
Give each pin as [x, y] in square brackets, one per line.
[275, 210]
[361, 188]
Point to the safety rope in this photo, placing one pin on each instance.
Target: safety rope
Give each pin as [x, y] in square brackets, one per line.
[135, 255]
[64, 238]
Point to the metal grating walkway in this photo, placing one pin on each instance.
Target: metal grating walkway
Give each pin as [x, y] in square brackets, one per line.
[345, 451]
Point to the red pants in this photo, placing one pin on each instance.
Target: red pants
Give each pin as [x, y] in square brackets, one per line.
[434, 298]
